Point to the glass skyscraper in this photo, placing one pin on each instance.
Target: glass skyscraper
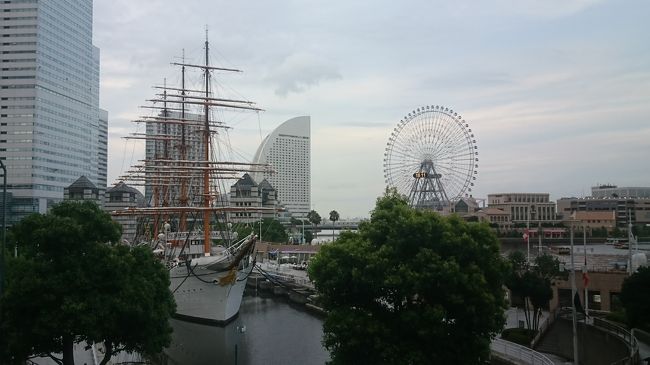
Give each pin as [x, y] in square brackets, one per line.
[51, 130]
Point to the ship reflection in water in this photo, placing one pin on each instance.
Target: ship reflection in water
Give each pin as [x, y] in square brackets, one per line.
[268, 330]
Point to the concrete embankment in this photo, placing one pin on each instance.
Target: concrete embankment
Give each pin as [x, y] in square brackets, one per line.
[302, 295]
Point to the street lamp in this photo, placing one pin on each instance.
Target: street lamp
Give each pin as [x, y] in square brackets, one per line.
[573, 295]
[4, 223]
[530, 212]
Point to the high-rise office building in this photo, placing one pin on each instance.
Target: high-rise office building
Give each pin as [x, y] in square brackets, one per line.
[288, 150]
[50, 129]
[102, 150]
[173, 141]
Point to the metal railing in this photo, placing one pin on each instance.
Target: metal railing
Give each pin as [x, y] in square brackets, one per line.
[633, 346]
[511, 350]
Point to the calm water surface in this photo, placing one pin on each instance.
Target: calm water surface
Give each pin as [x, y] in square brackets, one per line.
[276, 332]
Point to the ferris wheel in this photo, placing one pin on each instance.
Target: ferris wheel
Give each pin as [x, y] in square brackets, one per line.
[431, 157]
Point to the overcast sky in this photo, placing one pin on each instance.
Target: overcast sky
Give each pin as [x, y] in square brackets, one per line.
[557, 92]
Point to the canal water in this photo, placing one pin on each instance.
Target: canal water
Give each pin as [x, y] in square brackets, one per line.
[269, 330]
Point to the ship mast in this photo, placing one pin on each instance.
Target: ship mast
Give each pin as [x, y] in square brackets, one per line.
[183, 200]
[206, 149]
[175, 166]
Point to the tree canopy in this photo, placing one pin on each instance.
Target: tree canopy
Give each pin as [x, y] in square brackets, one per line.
[636, 299]
[273, 231]
[411, 287]
[314, 217]
[532, 284]
[334, 216]
[69, 285]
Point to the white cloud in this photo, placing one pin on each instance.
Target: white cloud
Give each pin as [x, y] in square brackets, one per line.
[557, 92]
[300, 71]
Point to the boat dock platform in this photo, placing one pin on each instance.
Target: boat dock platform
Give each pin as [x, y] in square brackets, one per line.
[285, 280]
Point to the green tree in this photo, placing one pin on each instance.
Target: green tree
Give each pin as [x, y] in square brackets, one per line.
[409, 287]
[309, 236]
[69, 285]
[635, 297]
[334, 216]
[273, 231]
[532, 285]
[314, 217]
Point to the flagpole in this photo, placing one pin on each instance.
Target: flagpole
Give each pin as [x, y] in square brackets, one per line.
[528, 234]
[629, 242]
[573, 303]
[584, 272]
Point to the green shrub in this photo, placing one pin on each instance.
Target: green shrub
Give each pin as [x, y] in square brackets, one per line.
[521, 336]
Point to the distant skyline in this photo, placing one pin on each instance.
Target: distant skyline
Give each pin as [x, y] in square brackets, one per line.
[556, 92]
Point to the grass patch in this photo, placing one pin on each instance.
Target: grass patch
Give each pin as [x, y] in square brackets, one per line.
[521, 336]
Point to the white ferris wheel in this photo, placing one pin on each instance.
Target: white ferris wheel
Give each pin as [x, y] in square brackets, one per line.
[431, 157]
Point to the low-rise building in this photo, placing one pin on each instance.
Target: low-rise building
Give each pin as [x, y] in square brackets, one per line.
[495, 216]
[119, 197]
[613, 191]
[594, 221]
[252, 201]
[464, 207]
[626, 210]
[83, 189]
[524, 207]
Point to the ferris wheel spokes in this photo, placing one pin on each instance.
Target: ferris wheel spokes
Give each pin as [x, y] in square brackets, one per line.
[431, 157]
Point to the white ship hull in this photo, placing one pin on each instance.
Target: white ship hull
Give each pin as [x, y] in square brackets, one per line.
[200, 297]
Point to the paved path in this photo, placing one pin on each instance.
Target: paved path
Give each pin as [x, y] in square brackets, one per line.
[644, 351]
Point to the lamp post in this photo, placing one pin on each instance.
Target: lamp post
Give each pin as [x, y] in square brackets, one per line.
[573, 303]
[4, 223]
[530, 212]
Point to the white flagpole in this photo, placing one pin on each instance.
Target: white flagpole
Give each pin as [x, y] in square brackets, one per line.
[573, 303]
[584, 271]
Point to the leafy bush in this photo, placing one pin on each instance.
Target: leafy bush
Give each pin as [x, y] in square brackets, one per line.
[521, 336]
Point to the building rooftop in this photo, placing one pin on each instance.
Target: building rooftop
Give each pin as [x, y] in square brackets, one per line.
[82, 183]
[121, 187]
[245, 181]
[492, 211]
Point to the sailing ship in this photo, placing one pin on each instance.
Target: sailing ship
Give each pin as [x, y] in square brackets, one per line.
[187, 180]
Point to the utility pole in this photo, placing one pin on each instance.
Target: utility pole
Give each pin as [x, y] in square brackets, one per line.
[584, 270]
[573, 303]
[539, 235]
[528, 234]
[4, 223]
[630, 238]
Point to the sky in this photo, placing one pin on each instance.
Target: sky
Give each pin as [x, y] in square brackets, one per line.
[557, 92]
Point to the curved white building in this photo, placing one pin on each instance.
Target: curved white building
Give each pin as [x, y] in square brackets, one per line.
[288, 150]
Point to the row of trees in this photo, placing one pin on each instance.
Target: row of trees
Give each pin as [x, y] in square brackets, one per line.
[315, 218]
[72, 284]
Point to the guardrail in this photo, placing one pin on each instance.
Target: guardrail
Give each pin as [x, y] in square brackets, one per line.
[633, 357]
[286, 277]
[513, 351]
[642, 335]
